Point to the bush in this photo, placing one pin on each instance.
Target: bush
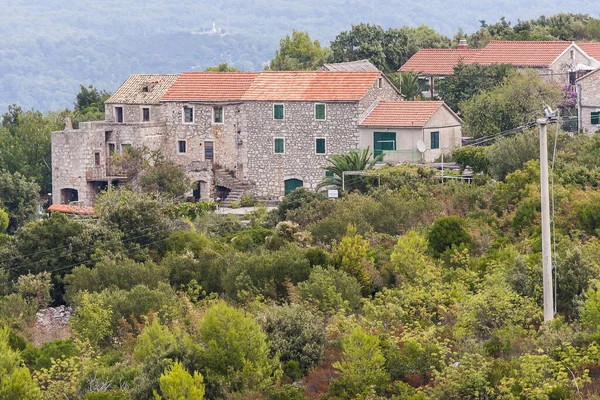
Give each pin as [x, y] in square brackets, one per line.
[473, 157]
[331, 290]
[114, 273]
[248, 199]
[300, 197]
[294, 333]
[447, 232]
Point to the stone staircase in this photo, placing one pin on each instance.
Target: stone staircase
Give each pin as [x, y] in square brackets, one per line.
[236, 188]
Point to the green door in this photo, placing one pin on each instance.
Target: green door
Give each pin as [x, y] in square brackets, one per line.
[292, 184]
[383, 141]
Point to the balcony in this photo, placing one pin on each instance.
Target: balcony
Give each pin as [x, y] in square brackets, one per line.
[104, 173]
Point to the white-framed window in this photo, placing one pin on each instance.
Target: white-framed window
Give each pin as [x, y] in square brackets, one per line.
[320, 146]
[218, 115]
[278, 111]
[145, 114]
[279, 145]
[182, 146]
[320, 112]
[188, 115]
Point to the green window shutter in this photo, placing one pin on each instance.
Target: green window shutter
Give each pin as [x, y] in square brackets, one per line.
[320, 144]
[278, 111]
[435, 140]
[279, 146]
[320, 111]
[329, 174]
[595, 118]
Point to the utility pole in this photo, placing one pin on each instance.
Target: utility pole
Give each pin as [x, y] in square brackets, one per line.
[546, 255]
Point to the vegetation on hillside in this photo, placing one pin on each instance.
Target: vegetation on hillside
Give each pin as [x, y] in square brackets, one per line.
[414, 289]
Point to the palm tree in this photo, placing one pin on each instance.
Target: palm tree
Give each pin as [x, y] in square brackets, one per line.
[409, 85]
[355, 160]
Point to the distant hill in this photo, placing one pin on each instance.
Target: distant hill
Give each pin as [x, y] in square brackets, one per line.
[49, 47]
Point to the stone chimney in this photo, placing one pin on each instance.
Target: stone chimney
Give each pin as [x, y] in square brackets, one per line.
[462, 44]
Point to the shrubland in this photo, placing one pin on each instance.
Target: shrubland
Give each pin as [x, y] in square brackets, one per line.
[414, 289]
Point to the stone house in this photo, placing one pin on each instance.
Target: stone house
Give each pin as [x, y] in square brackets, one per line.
[393, 128]
[560, 61]
[267, 132]
[588, 102]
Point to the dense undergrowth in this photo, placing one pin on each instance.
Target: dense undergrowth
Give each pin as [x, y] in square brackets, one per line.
[416, 289]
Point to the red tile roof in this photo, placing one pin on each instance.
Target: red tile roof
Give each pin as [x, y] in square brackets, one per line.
[402, 113]
[591, 49]
[438, 61]
[210, 86]
[272, 86]
[521, 53]
[69, 209]
[311, 85]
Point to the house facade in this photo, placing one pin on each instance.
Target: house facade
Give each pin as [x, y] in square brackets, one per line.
[266, 132]
[393, 129]
[560, 61]
[588, 102]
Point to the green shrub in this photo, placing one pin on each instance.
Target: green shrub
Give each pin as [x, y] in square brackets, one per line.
[295, 333]
[473, 157]
[447, 232]
[248, 199]
[331, 290]
[235, 204]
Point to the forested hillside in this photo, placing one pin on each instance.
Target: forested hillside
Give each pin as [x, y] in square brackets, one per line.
[49, 47]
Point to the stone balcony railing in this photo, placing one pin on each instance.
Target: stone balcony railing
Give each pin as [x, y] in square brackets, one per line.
[104, 173]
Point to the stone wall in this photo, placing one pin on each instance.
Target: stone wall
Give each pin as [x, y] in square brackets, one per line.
[589, 98]
[387, 91]
[224, 136]
[299, 129]
[568, 61]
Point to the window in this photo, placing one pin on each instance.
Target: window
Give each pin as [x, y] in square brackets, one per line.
[572, 77]
[145, 114]
[145, 89]
[209, 153]
[119, 114]
[379, 83]
[383, 141]
[595, 118]
[435, 140]
[329, 174]
[320, 112]
[111, 149]
[188, 115]
[278, 111]
[181, 146]
[218, 115]
[279, 146]
[320, 145]
[97, 159]
[125, 147]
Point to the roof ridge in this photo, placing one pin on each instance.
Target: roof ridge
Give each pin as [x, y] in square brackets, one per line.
[531, 41]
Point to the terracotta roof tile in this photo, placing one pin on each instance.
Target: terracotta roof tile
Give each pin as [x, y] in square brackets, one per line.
[132, 90]
[591, 49]
[521, 53]
[70, 209]
[210, 86]
[272, 86]
[311, 85]
[401, 113]
[438, 61]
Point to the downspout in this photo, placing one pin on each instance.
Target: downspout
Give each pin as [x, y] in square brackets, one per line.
[579, 110]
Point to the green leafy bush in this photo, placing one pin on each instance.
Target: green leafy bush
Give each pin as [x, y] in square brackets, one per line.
[447, 232]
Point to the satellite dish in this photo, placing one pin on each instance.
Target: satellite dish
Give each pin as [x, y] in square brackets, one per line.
[421, 146]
